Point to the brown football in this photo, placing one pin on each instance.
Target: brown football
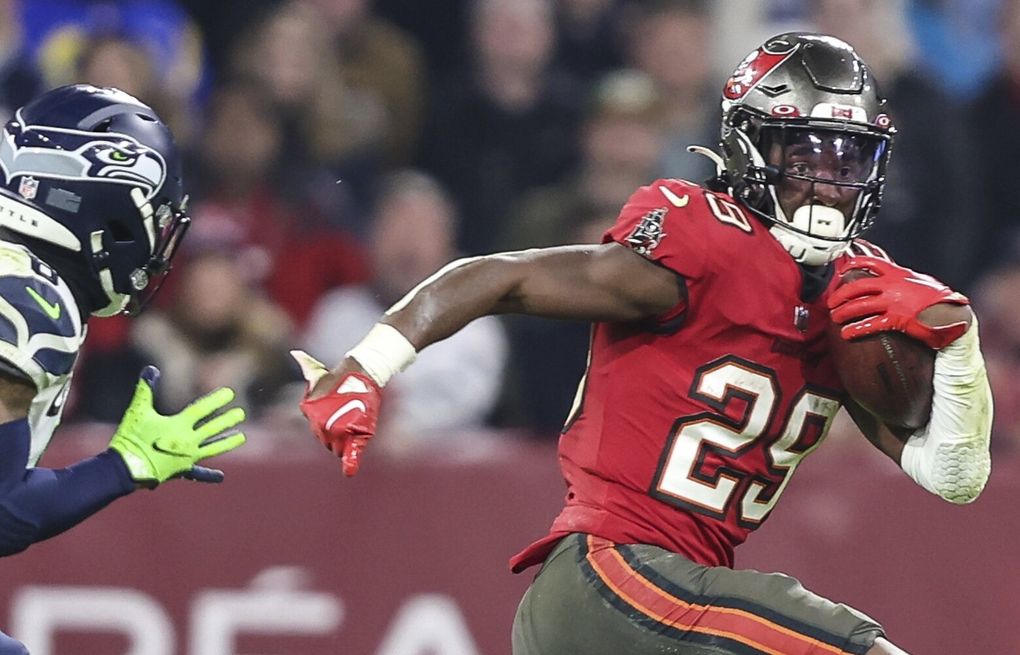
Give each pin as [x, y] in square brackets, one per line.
[890, 374]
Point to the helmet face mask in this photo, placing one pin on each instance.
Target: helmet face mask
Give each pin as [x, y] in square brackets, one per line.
[821, 170]
[171, 225]
[805, 143]
[97, 174]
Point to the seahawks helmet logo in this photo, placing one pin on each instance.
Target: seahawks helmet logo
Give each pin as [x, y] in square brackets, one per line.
[125, 161]
[78, 155]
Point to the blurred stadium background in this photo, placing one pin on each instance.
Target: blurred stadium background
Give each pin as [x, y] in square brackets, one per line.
[341, 150]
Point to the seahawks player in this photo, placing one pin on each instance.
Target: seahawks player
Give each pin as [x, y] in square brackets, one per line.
[709, 375]
[91, 213]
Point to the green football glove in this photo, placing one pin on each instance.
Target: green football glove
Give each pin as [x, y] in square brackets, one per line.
[157, 448]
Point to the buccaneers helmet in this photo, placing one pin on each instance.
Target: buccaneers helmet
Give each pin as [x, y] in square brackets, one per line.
[92, 176]
[805, 142]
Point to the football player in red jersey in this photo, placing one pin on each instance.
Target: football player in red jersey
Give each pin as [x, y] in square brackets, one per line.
[709, 377]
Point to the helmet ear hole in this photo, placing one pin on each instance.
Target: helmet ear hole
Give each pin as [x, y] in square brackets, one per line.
[120, 232]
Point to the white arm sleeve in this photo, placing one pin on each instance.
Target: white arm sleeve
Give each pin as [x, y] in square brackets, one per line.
[949, 457]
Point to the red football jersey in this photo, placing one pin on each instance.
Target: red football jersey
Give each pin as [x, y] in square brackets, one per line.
[686, 431]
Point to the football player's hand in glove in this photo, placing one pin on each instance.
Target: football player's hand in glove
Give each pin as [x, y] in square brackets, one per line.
[157, 448]
[342, 407]
[892, 298]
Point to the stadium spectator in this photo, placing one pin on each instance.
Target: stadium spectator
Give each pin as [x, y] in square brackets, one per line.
[213, 327]
[333, 133]
[953, 39]
[117, 62]
[670, 41]
[443, 41]
[620, 142]
[58, 33]
[382, 61]
[505, 123]
[995, 299]
[294, 254]
[123, 63]
[590, 40]
[19, 77]
[991, 117]
[456, 385]
[221, 23]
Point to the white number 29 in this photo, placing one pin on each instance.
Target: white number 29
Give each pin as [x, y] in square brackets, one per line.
[683, 479]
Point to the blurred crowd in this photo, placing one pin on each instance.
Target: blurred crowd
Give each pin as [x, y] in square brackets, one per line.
[339, 151]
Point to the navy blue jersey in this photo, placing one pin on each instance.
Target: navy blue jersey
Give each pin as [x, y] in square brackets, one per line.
[41, 333]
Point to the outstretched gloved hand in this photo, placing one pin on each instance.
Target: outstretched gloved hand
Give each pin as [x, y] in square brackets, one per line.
[157, 447]
[342, 408]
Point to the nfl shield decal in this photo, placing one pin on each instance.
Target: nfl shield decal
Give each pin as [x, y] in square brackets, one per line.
[29, 187]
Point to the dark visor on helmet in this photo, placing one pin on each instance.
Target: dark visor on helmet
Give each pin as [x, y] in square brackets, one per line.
[816, 154]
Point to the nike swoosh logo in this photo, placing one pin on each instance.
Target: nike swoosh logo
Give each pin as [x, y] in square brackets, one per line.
[352, 385]
[52, 310]
[349, 406]
[673, 198]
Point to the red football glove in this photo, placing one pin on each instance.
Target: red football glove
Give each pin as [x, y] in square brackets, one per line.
[343, 418]
[891, 299]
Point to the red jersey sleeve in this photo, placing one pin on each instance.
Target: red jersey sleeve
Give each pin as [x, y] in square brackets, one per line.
[664, 222]
[661, 223]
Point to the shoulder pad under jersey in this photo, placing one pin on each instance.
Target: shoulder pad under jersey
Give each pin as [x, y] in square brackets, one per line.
[40, 327]
[679, 224]
[862, 248]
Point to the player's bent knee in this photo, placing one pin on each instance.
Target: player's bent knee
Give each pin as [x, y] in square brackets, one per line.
[882, 646]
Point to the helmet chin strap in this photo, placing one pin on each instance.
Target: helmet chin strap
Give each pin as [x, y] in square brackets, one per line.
[118, 301]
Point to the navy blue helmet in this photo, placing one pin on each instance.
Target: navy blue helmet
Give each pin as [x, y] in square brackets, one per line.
[95, 172]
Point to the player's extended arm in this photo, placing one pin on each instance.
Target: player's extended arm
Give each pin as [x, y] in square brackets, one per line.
[148, 448]
[950, 455]
[592, 283]
[595, 283]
